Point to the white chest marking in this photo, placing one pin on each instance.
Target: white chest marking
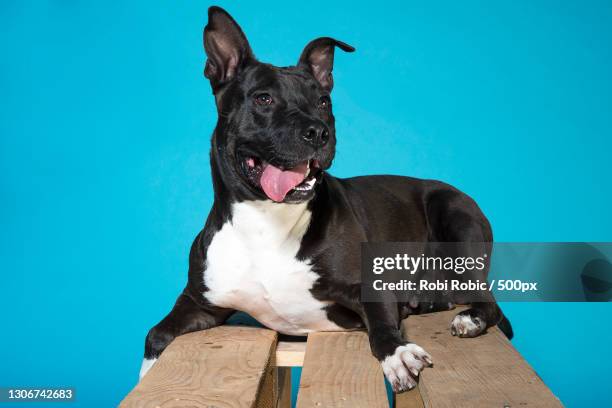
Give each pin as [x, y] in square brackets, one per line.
[251, 266]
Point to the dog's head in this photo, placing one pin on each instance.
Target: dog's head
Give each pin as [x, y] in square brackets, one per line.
[275, 132]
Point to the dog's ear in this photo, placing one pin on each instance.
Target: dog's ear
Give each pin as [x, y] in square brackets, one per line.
[318, 58]
[226, 47]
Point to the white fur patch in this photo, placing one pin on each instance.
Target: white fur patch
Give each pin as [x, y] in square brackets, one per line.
[404, 365]
[146, 366]
[464, 326]
[251, 266]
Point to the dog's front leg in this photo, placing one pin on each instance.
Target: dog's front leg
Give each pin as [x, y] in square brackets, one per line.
[187, 315]
[401, 360]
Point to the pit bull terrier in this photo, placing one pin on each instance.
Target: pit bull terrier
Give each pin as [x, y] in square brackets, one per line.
[282, 240]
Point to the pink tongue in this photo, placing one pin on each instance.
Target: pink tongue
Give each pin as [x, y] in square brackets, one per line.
[276, 183]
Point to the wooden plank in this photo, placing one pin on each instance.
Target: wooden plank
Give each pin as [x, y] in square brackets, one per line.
[340, 371]
[290, 353]
[484, 371]
[284, 387]
[220, 367]
[267, 395]
[409, 399]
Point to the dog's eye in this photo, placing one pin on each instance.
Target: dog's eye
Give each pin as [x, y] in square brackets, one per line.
[324, 102]
[264, 99]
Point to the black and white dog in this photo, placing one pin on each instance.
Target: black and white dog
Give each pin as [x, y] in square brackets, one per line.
[282, 240]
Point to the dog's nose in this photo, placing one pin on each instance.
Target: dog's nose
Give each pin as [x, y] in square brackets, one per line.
[317, 136]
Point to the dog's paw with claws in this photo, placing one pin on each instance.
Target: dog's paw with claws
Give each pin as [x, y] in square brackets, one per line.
[403, 367]
[465, 325]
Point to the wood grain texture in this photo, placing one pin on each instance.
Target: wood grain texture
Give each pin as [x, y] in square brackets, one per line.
[284, 387]
[267, 396]
[290, 353]
[340, 371]
[485, 371]
[409, 399]
[220, 367]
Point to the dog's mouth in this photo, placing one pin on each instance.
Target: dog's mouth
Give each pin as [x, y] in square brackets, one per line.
[283, 184]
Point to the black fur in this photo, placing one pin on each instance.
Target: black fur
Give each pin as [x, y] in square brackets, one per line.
[297, 126]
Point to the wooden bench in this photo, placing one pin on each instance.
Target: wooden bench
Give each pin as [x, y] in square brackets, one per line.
[237, 366]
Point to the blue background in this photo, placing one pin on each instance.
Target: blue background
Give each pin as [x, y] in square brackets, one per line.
[104, 176]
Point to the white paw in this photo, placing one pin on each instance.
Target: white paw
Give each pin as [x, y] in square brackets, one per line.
[146, 366]
[402, 368]
[467, 326]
